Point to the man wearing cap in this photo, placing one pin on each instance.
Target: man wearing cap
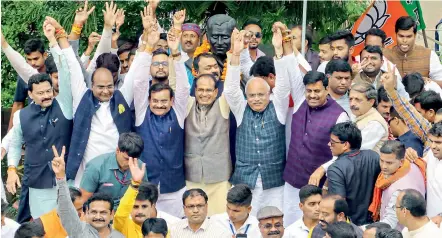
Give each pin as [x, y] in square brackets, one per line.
[270, 222]
[190, 39]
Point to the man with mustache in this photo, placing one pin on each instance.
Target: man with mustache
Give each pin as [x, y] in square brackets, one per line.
[333, 208]
[253, 26]
[99, 207]
[46, 122]
[190, 40]
[371, 66]
[309, 196]
[138, 204]
[260, 133]
[271, 222]
[354, 172]
[339, 74]
[397, 174]
[160, 114]
[197, 224]
[410, 57]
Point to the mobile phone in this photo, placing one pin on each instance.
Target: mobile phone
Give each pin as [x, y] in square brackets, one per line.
[241, 235]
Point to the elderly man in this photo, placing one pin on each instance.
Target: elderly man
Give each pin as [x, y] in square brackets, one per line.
[260, 134]
[271, 222]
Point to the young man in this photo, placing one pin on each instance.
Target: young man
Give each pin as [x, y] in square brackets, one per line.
[138, 204]
[373, 229]
[30, 230]
[354, 172]
[109, 173]
[255, 28]
[309, 196]
[427, 104]
[411, 211]
[397, 174]
[99, 207]
[271, 222]
[237, 219]
[154, 228]
[409, 57]
[400, 130]
[384, 103]
[197, 222]
[339, 74]
[325, 52]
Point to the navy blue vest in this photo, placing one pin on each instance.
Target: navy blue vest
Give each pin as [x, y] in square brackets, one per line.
[82, 126]
[163, 150]
[41, 130]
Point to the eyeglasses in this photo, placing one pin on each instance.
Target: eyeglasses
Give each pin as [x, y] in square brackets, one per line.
[199, 206]
[269, 226]
[257, 34]
[164, 64]
[109, 87]
[332, 142]
[207, 90]
[253, 95]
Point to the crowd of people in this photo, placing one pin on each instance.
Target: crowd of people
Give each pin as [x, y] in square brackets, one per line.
[197, 133]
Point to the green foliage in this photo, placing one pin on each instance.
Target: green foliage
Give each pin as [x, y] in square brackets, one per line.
[22, 20]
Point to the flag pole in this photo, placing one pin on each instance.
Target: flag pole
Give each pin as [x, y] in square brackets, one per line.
[425, 38]
[304, 27]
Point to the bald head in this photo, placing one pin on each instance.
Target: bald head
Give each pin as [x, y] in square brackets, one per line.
[258, 94]
[102, 84]
[257, 82]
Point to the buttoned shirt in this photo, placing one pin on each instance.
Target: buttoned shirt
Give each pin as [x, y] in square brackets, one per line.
[297, 230]
[434, 184]
[250, 226]
[209, 229]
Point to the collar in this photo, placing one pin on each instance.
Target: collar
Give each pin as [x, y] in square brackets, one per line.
[203, 226]
[345, 96]
[247, 222]
[301, 225]
[368, 79]
[113, 164]
[405, 135]
[351, 153]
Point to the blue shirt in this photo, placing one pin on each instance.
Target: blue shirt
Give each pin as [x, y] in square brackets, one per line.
[410, 140]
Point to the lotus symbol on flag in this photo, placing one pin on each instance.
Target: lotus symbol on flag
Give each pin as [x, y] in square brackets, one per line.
[375, 18]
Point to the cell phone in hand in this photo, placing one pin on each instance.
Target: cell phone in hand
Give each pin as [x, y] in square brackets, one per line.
[241, 235]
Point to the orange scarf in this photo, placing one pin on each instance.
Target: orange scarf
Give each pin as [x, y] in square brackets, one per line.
[383, 183]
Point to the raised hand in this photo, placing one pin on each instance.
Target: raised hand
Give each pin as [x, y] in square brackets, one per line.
[247, 36]
[147, 18]
[238, 42]
[93, 39]
[119, 21]
[388, 79]
[277, 38]
[49, 30]
[173, 40]
[136, 172]
[116, 35]
[110, 14]
[178, 18]
[82, 14]
[13, 181]
[153, 4]
[411, 155]
[53, 22]
[58, 165]
[356, 68]
[153, 36]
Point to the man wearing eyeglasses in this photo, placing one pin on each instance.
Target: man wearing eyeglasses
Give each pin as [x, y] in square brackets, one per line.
[253, 26]
[271, 222]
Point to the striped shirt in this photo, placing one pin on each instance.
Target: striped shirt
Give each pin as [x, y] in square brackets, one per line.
[414, 120]
[209, 229]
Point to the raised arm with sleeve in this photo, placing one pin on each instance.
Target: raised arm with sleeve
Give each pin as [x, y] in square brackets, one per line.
[18, 62]
[104, 46]
[182, 92]
[281, 91]
[64, 96]
[141, 87]
[67, 212]
[297, 87]
[15, 141]
[246, 64]
[233, 94]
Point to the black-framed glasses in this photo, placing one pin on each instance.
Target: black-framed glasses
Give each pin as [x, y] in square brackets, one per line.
[332, 142]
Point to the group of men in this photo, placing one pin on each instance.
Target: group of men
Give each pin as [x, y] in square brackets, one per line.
[207, 127]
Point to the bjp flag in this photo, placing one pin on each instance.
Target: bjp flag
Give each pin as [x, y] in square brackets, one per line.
[383, 15]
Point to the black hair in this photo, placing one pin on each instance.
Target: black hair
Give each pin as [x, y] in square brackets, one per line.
[100, 196]
[125, 47]
[368, 90]
[263, 67]
[240, 195]
[307, 191]
[394, 113]
[414, 84]
[388, 233]
[158, 87]
[439, 112]
[429, 100]
[163, 36]
[378, 225]
[33, 45]
[131, 143]
[313, 77]
[404, 23]
[394, 147]
[344, 34]
[340, 204]
[324, 40]
[4, 207]
[340, 229]
[382, 95]
[252, 21]
[37, 79]
[196, 60]
[211, 76]
[348, 132]
[147, 191]
[414, 202]
[159, 51]
[74, 193]
[133, 51]
[374, 49]
[29, 230]
[109, 61]
[338, 65]
[377, 32]
[436, 130]
[193, 193]
[51, 67]
[308, 34]
[154, 225]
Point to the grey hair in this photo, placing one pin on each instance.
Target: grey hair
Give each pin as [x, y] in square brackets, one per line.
[367, 89]
[257, 78]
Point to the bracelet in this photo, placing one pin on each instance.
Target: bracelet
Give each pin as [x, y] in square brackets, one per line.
[77, 29]
[60, 33]
[12, 169]
[58, 179]
[176, 55]
[278, 57]
[148, 49]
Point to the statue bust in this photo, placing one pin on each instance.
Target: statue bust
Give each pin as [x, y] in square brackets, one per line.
[219, 31]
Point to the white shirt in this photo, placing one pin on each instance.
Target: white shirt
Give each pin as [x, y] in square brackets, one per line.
[297, 230]
[170, 220]
[435, 67]
[250, 225]
[372, 134]
[321, 67]
[434, 185]
[8, 230]
[428, 230]
[209, 229]
[434, 87]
